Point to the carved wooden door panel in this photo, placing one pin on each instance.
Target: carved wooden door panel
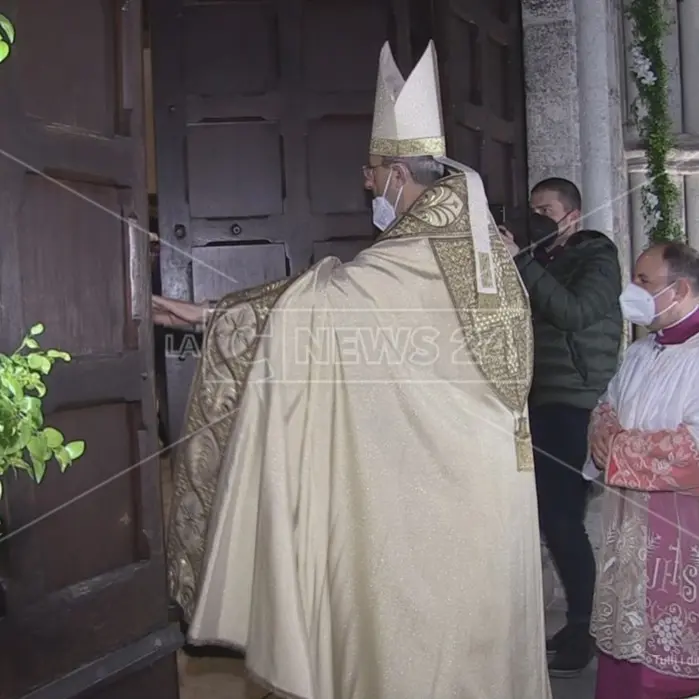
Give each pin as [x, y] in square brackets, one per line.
[479, 44]
[84, 608]
[263, 118]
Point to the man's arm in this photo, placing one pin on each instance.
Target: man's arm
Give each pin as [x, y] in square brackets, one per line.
[665, 460]
[174, 313]
[587, 301]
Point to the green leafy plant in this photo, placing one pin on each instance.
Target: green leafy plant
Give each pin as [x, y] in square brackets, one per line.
[652, 115]
[25, 443]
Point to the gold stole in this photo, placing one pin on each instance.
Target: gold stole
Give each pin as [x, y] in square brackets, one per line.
[497, 327]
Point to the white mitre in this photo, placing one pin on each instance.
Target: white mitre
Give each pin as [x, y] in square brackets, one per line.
[408, 113]
[408, 123]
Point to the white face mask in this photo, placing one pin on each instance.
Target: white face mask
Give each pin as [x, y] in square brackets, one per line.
[638, 305]
[384, 213]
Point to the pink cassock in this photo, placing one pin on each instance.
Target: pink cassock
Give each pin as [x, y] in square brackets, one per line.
[618, 679]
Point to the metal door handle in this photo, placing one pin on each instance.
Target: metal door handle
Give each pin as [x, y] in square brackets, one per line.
[137, 272]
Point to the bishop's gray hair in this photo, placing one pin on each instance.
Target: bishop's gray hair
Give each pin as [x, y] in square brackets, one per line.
[424, 170]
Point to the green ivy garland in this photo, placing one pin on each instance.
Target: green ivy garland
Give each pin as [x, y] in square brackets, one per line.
[652, 115]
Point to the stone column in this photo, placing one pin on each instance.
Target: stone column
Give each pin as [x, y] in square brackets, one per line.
[550, 75]
[553, 129]
[639, 240]
[574, 129]
[691, 192]
[689, 53]
[595, 114]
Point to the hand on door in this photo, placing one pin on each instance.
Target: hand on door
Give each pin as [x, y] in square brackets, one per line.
[173, 313]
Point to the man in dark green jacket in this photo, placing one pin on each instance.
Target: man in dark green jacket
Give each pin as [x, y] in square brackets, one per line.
[574, 283]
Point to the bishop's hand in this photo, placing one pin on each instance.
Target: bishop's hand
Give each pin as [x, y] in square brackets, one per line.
[172, 313]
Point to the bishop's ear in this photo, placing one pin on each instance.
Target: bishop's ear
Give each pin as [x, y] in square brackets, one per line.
[401, 175]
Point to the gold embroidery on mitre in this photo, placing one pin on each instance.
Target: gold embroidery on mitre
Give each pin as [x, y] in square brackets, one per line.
[409, 148]
[496, 327]
[230, 344]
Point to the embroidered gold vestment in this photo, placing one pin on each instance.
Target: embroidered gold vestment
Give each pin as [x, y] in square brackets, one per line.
[355, 505]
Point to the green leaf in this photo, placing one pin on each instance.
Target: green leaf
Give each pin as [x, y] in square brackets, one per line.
[63, 458]
[54, 438]
[25, 444]
[26, 431]
[55, 354]
[38, 362]
[39, 387]
[12, 385]
[8, 28]
[38, 448]
[20, 465]
[31, 405]
[39, 469]
[75, 449]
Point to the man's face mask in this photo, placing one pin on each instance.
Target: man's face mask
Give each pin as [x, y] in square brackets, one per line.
[384, 213]
[638, 305]
[532, 230]
[541, 229]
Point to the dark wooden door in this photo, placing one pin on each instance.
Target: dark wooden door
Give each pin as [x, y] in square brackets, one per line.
[84, 605]
[479, 45]
[263, 118]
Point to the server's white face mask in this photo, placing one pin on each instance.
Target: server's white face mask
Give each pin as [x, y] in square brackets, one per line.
[638, 305]
[384, 213]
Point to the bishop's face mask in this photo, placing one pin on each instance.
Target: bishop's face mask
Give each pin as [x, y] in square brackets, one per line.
[384, 213]
[638, 305]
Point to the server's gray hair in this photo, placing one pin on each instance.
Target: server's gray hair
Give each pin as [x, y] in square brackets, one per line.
[682, 261]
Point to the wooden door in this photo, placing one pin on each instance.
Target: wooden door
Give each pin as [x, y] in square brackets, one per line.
[263, 119]
[479, 45]
[84, 603]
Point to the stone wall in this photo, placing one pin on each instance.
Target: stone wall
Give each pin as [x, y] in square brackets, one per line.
[573, 68]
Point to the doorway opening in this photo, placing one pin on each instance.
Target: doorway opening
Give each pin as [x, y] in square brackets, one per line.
[258, 117]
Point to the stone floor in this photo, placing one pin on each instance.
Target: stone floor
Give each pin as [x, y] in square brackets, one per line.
[582, 687]
[218, 678]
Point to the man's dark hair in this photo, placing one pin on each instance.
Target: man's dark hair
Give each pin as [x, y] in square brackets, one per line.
[682, 262]
[568, 194]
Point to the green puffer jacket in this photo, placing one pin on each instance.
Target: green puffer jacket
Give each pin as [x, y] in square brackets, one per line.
[574, 294]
